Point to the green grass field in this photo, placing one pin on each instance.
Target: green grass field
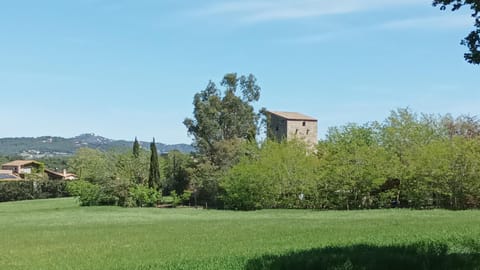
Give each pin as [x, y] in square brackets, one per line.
[58, 234]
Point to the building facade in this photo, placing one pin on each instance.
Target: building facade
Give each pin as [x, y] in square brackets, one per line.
[292, 125]
[22, 166]
[19, 169]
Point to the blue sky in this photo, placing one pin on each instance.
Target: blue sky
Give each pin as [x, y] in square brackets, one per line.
[130, 68]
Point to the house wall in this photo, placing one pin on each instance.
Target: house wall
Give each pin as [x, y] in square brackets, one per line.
[28, 168]
[280, 129]
[305, 130]
[277, 127]
[14, 169]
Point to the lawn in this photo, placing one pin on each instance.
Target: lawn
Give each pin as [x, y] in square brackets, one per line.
[58, 234]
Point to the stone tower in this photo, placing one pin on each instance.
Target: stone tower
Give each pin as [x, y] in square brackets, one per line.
[292, 125]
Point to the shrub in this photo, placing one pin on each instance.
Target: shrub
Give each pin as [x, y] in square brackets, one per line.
[119, 193]
[51, 189]
[181, 199]
[88, 194]
[29, 189]
[143, 196]
[275, 177]
[16, 190]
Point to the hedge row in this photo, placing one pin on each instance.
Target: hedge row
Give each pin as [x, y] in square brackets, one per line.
[29, 190]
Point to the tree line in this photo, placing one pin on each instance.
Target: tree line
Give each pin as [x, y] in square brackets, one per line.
[135, 178]
[408, 160]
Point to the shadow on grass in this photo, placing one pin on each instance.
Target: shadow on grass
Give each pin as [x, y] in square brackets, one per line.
[412, 257]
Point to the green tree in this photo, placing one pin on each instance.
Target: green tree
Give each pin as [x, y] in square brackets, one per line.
[354, 164]
[465, 125]
[3, 159]
[204, 181]
[410, 160]
[223, 125]
[136, 148]
[55, 163]
[154, 172]
[176, 171]
[278, 175]
[463, 180]
[224, 116]
[446, 174]
[472, 40]
[404, 134]
[93, 165]
[133, 169]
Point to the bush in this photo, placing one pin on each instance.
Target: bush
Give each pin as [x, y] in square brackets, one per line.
[88, 194]
[29, 190]
[118, 193]
[275, 177]
[51, 189]
[141, 196]
[16, 191]
[181, 199]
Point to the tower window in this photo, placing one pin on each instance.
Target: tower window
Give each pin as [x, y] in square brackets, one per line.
[304, 123]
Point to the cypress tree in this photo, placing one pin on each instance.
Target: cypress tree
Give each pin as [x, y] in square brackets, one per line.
[136, 148]
[154, 175]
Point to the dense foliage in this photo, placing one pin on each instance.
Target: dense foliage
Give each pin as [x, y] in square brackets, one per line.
[32, 189]
[115, 178]
[273, 177]
[224, 118]
[407, 161]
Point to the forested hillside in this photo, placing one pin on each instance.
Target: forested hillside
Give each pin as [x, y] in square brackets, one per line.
[51, 146]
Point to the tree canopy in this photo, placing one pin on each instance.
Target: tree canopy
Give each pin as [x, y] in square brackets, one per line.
[472, 40]
[224, 116]
[409, 160]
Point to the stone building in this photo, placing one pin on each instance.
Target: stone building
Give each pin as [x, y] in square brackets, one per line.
[292, 125]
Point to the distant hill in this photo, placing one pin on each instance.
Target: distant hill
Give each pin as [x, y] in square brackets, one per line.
[48, 146]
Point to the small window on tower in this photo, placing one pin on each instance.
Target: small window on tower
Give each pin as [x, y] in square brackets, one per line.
[308, 131]
[303, 124]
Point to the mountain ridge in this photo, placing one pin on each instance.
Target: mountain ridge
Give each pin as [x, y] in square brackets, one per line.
[53, 146]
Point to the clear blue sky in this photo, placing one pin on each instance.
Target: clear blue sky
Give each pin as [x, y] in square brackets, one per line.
[129, 68]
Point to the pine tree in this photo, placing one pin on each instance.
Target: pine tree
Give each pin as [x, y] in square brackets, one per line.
[154, 175]
[136, 148]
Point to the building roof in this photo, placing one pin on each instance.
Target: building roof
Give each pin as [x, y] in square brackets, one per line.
[292, 116]
[20, 162]
[60, 174]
